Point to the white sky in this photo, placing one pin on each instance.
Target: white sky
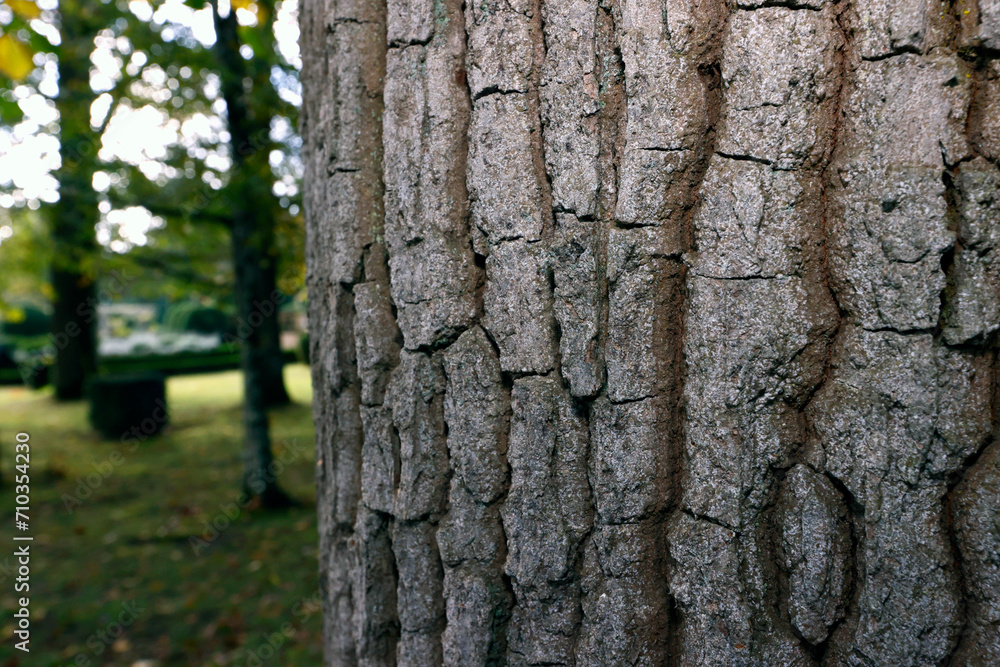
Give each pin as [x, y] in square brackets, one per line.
[29, 151]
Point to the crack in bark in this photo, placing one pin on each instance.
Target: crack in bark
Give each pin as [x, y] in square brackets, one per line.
[744, 158]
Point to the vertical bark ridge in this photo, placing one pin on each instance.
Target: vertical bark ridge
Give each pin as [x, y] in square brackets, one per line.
[581, 97]
[416, 395]
[695, 29]
[571, 102]
[512, 209]
[435, 280]
[816, 523]
[758, 324]
[344, 204]
[634, 429]
[427, 113]
[611, 136]
[661, 174]
[612, 123]
[378, 342]
[969, 310]
[970, 316]
[960, 316]
[472, 540]
[338, 445]
[507, 183]
[546, 515]
[896, 162]
[973, 505]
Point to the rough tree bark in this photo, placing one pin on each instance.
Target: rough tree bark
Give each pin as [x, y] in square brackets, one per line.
[655, 333]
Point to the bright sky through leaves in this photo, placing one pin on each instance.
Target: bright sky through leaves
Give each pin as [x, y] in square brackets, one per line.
[29, 150]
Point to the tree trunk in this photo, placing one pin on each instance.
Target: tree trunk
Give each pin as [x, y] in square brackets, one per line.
[252, 206]
[253, 265]
[653, 333]
[74, 251]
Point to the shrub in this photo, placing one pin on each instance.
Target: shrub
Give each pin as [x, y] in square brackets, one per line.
[26, 320]
[193, 317]
[7, 356]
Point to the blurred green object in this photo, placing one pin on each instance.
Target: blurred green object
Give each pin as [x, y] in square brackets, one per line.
[37, 376]
[23, 361]
[7, 361]
[25, 320]
[194, 317]
[183, 363]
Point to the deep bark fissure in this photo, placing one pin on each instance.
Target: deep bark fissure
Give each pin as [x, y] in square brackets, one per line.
[613, 99]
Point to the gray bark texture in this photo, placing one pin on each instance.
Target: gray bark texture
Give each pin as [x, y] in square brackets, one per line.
[655, 333]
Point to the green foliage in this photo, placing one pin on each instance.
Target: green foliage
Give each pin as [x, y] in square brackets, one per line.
[25, 320]
[24, 256]
[161, 66]
[193, 317]
[19, 44]
[130, 538]
[181, 363]
[193, 191]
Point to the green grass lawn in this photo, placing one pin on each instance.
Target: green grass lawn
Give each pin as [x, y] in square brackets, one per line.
[127, 567]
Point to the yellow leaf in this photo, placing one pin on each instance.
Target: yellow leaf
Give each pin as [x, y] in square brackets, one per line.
[14, 315]
[25, 8]
[15, 58]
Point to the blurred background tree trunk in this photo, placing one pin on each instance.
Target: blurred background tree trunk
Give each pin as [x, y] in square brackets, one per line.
[254, 252]
[654, 334]
[75, 251]
[249, 98]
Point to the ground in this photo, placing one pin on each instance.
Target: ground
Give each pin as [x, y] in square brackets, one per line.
[142, 554]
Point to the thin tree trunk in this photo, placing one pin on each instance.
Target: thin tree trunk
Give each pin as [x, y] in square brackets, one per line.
[252, 208]
[253, 262]
[74, 316]
[655, 333]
